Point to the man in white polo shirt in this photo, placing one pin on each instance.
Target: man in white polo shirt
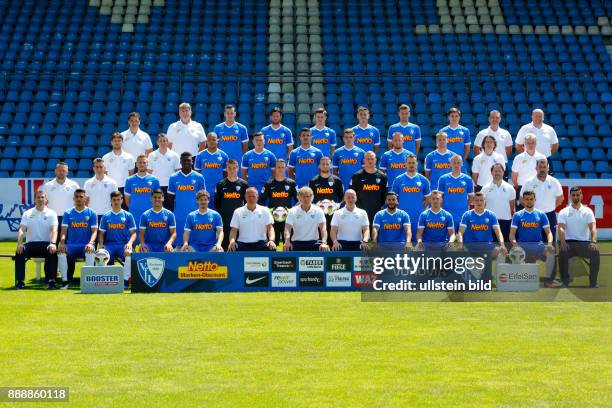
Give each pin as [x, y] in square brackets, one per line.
[99, 188]
[547, 141]
[60, 191]
[186, 135]
[502, 136]
[549, 194]
[164, 162]
[500, 198]
[578, 237]
[119, 164]
[308, 224]
[524, 166]
[252, 226]
[350, 227]
[135, 140]
[39, 225]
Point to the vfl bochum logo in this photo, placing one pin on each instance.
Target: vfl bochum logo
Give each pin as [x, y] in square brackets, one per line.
[151, 270]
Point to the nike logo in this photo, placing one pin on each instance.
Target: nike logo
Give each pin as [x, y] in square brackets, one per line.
[250, 281]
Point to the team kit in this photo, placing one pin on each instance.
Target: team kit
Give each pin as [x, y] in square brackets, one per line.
[200, 201]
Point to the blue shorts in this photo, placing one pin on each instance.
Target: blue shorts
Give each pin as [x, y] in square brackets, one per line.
[155, 247]
[115, 251]
[202, 248]
[76, 250]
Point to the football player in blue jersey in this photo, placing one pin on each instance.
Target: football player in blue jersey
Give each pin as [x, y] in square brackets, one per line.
[478, 226]
[457, 189]
[438, 162]
[211, 164]
[233, 136]
[278, 138]
[412, 191]
[348, 159]
[459, 140]
[117, 234]
[138, 188]
[182, 189]
[526, 231]
[258, 163]
[410, 133]
[323, 137]
[393, 161]
[367, 137]
[392, 229]
[435, 227]
[304, 160]
[77, 237]
[157, 227]
[203, 228]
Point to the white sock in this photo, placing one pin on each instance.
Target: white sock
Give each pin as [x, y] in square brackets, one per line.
[127, 268]
[62, 263]
[89, 259]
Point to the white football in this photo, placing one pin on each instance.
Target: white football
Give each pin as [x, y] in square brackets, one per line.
[517, 255]
[279, 214]
[101, 257]
[328, 206]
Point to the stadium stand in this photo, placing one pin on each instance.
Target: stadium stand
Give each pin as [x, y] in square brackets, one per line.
[71, 71]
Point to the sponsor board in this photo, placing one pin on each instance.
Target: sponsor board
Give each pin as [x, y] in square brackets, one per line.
[102, 279]
[517, 277]
[364, 279]
[202, 270]
[284, 280]
[311, 264]
[363, 264]
[339, 264]
[312, 279]
[257, 264]
[338, 279]
[151, 270]
[257, 279]
[286, 264]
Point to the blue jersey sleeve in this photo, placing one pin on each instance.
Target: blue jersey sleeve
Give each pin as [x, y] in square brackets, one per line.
[422, 220]
[469, 185]
[515, 220]
[405, 218]
[189, 223]
[130, 221]
[93, 219]
[288, 137]
[449, 221]
[464, 219]
[493, 219]
[319, 156]
[218, 221]
[428, 160]
[377, 219]
[272, 160]
[332, 137]
[336, 158]
[171, 220]
[390, 133]
[201, 183]
[245, 160]
[395, 187]
[103, 223]
[441, 184]
[127, 189]
[376, 137]
[426, 188]
[172, 185]
[292, 158]
[156, 184]
[544, 220]
[244, 134]
[417, 133]
[142, 223]
[66, 218]
[198, 162]
[466, 137]
[384, 162]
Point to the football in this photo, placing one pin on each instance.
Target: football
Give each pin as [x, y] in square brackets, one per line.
[101, 257]
[279, 214]
[328, 206]
[517, 255]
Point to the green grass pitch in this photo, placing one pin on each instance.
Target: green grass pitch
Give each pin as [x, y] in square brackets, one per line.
[302, 349]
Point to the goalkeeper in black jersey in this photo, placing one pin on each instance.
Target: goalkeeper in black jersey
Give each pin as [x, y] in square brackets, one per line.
[279, 193]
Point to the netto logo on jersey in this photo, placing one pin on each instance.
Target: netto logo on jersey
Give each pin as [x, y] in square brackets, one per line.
[203, 227]
[397, 166]
[392, 226]
[259, 165]
[364, 140]
[456, 190]
[371, 187]
[320, 141]
[232, 195]
[411, 189]
[280, 194]
[435, 225]
[455, 139]
[479, 227]
[79, 224]
[442, 166]
[348, 161]
[526, 224]
[229, 138]
[275, 141]
[185, 188]
[212, 165]
[407, 138]
[283, 264]
[339, 264]
[115, 226]
[325, 190]
[308, 160]
[157, 224]
[142, 190]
